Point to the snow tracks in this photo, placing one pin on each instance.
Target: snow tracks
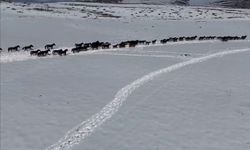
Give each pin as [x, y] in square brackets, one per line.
[81, 131]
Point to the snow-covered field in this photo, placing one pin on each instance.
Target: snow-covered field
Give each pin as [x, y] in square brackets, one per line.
[148, 97]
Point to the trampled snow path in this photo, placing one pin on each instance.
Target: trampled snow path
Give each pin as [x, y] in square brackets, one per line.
[81, 131]
[23, 56]
[142, 55]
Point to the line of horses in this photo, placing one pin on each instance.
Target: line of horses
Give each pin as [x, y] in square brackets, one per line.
[79, 47]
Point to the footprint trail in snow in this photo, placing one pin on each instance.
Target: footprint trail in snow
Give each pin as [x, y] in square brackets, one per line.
[81, 131]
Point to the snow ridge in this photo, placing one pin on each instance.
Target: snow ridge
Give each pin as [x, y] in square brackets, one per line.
[81, 131]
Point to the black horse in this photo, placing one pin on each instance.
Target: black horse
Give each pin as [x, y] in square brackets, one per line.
[96, 45]
[164, 41]
[13, 49]
[115, 46]
[75, 50]
[186, 55]
[243, 37]
[34, 53]
[122, 44]
[63, 52]
[79, 44]
[30, 47]
[60, 52]
[192, 38]
[182, 38]
[154, 41]
[87, 45]
[79, 49]
[49, 46]
[223, 38]
[132, 44]
[56, 52]
[106, 45]
[43, 53]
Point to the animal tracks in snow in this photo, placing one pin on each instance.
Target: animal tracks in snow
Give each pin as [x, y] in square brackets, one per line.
[81, 131]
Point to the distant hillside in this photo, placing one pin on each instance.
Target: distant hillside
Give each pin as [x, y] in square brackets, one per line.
[233, 3]
[224, 3]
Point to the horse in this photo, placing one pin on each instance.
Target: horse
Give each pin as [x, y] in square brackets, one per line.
[75, 50]
[49, 46]
[243, 37]
[223, 38]
[87, 45]
[115, 46]
[56, 52]
[142, 42]
[79, 44]
[181, 38]
[15, 48]
[25, 48]
[43, 53]
[175, 39]
[164, 41]
[186, 55]
[154, 41]
[60, 52]
[63, 52]
[106, 45]
[132, 44]
[201, 38]
[122, 44]
[192, 38]
[96, 45]
[79, 49]
[34, 53]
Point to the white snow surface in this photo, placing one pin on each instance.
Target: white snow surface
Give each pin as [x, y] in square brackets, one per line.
[148, 97]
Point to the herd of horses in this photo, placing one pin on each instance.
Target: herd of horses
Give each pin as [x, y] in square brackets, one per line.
[80, 47]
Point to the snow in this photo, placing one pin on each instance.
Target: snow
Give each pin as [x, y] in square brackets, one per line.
[193, 108]
[81, 131]
[165, 100]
